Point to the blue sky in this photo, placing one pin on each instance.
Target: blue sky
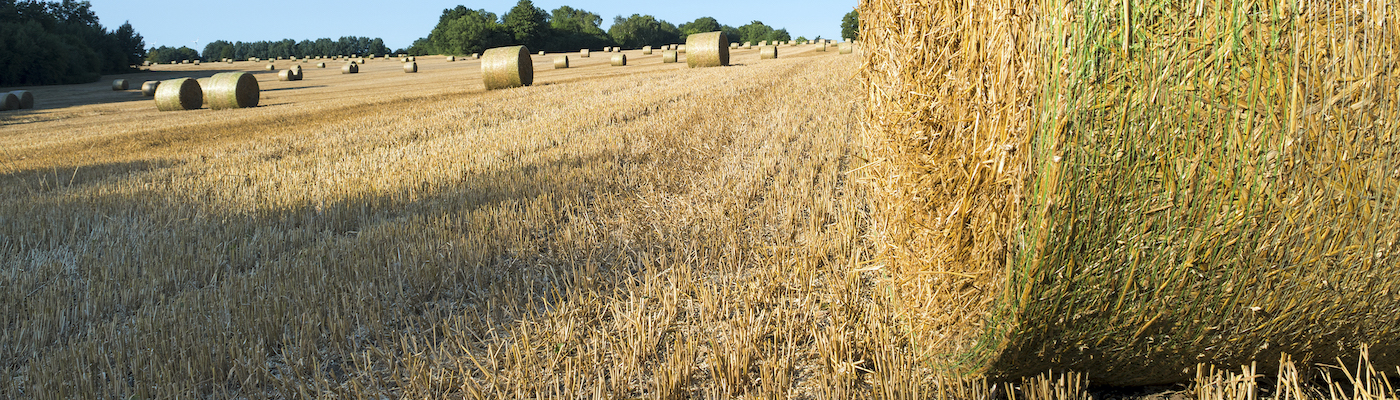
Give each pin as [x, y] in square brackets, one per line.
[182, 22]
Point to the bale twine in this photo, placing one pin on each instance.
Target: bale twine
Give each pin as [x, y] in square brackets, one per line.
[561, 62]
[178, 95]
[768, 52]
[350, 68]
[710, 50]
[233, 90]
[26, 99]
[119, 84]
[1130, 208]
[646, 50]
[668, 56]
[8, 101]
[846, 48]
[507, 67]
[320, 65]
[410, 68]
[583, 53]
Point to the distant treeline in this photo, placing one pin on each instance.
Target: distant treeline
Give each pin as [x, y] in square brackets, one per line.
[221, 49]
[462, 30]
[44, 43]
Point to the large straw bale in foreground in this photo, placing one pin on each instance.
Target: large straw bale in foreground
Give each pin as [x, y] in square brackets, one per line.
[232, 90]
[707, 50]
[507, 67]
[1217, 183]
[179, 94]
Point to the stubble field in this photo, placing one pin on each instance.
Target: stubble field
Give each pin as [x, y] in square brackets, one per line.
[644, 231]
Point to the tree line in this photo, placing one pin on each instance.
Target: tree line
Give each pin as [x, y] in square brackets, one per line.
[61, 42]
[462, 30]
[346, 46]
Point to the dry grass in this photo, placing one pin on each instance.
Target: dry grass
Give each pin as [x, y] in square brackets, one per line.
[453, 244]
[1128, 189]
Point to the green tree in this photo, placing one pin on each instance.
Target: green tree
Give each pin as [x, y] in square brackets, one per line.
[642, 30]
[130, 43]
[61, 42]
[573, 29]
[850, 25]
[527, 24]
[756, 31]
[700, 25]
[463, 31]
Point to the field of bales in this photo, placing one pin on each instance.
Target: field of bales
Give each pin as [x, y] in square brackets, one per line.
[984, 201]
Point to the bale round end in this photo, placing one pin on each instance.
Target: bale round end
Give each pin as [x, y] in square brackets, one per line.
[8, 101]
[507, 67]
[178, 95]
[148, 88]
[26, 99]
[710, 50]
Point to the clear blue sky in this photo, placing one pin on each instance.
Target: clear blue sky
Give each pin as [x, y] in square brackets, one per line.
[181, 22]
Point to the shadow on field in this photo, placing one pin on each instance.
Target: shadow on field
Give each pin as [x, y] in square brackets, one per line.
[100, 92]
[355, 269]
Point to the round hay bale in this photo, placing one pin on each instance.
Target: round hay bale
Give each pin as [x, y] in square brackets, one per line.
[733, 45]
[762, 43]
[26, 99]
[617, 49]
[710, 50]
[561, 62]
[821, 46]
[476, 56]
[320, 65]
[148, 88]
[507, 67]
[271, 67]
[792, 43]
[297, 74]
[403, 59]
[196, 62]
[541, 52]
[747, 45]
[8, 101]
[681, 49]
[286, 75]
[451, 58]
[646, 50]
[410, 67]
[350, 68]
[583, 53]
[619, 60]
[846, 48]
[203, 89]
[179, 94]
[767, 52]
[232, 90]
[119, 84]
[668, 56]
